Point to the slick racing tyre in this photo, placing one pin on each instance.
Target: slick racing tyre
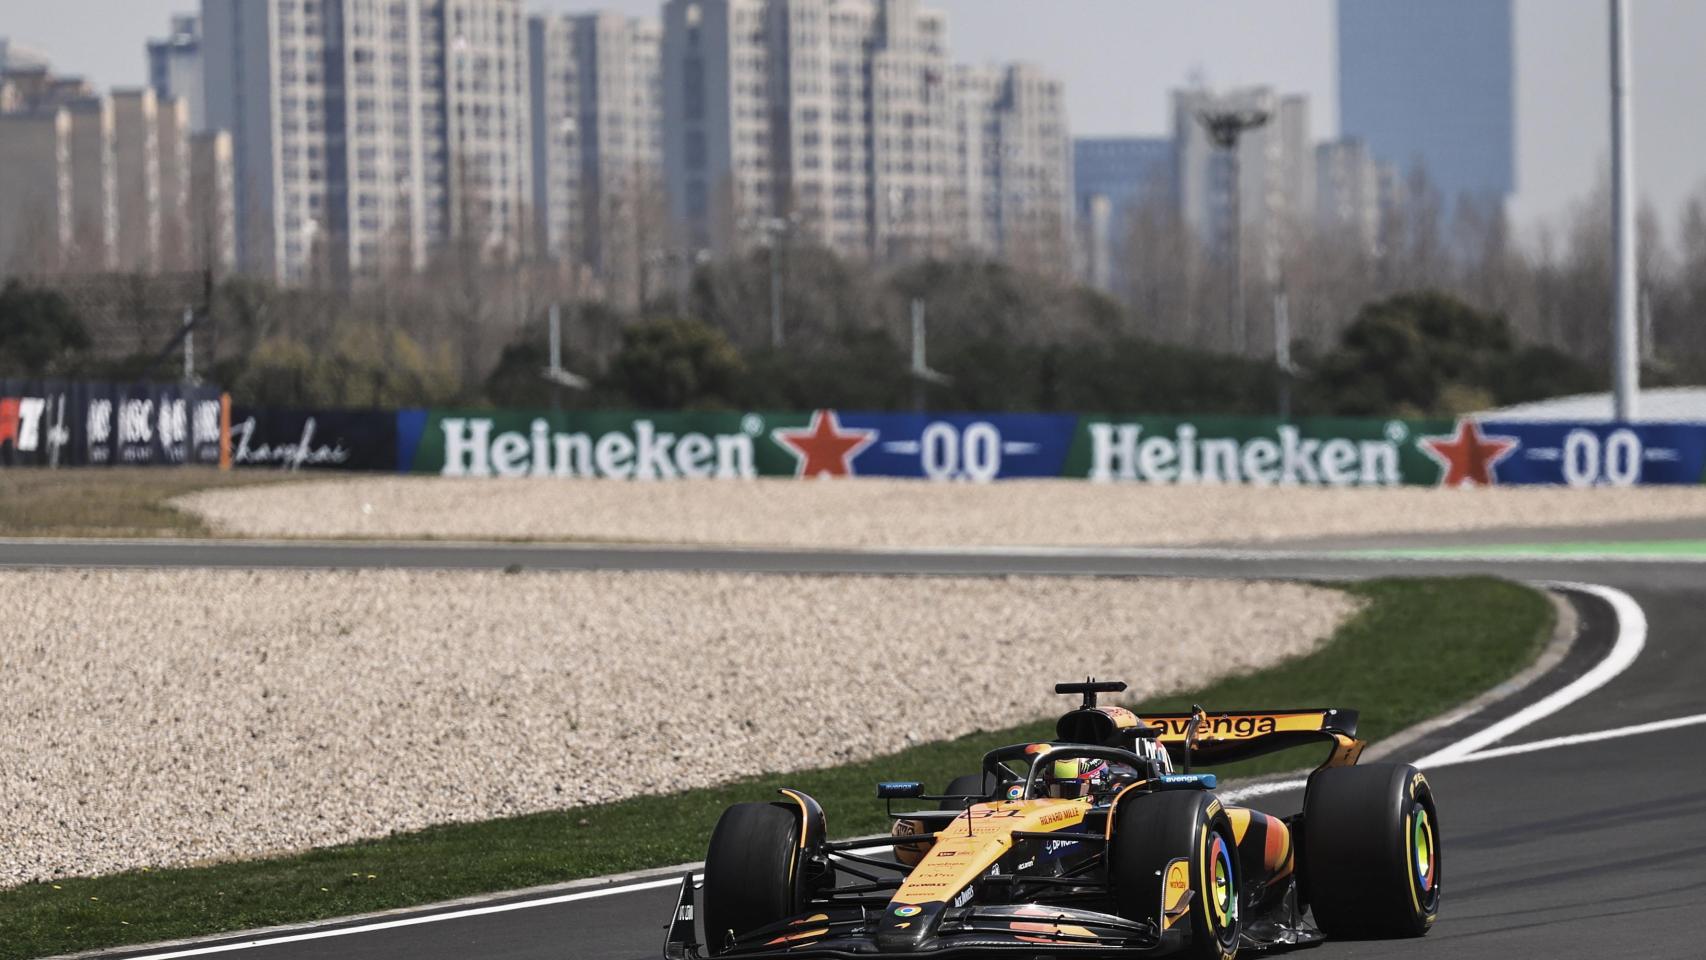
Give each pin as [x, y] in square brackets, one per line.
[752, 875]
[1370, 864]
[972, 784]
[1166, 845]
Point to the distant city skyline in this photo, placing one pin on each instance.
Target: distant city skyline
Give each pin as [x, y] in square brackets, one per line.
[1120, 58]
[1433, 83]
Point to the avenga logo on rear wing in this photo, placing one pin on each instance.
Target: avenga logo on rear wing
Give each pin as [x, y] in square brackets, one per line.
[1243, 724]
[1229, 736]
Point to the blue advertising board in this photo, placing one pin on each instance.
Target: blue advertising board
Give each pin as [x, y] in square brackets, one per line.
[970, 447]
[1598, 454]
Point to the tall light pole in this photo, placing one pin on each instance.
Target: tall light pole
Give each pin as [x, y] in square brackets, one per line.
[777, 230]
[920, 372]
[1224, 128]
[1626, 352]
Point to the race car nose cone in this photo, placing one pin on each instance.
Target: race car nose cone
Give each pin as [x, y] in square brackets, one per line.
[905, 926]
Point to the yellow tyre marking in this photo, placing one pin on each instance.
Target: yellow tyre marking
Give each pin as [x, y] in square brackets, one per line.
[1410, 858]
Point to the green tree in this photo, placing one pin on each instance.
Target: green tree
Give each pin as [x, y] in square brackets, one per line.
[1134, 375]
[516, 382]
[1415, 354]
[861, 369]
[674, 364]
[280, 372]
[40, 335]
[363, 366]
[1430, 354]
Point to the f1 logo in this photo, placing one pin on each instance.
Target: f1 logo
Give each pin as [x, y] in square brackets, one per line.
[20, 422]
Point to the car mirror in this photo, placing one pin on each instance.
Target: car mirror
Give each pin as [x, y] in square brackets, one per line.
[899, 790]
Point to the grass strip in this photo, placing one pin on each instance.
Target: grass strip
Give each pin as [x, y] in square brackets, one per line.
[1418, 648]
[115, 502]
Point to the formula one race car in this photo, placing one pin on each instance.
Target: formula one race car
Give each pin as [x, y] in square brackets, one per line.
[1090, 845]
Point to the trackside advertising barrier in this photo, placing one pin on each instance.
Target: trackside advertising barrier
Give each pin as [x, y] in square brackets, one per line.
[1325, 452]
[288, 439]
[56, 423]
[65, 423]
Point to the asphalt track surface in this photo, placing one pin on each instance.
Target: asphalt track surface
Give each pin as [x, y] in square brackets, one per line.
[1584, 851]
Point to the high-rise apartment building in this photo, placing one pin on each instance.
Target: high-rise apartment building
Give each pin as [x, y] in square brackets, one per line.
[1015, 161]
[136, 172]
[1112, 177]
[1433, 84]
[172, 137]
[598, 191]
[1126, 170]
[1275, 166]
[94, 198]
[212, 219]
[121, 188]
[831, 118]
[35, 192]
[908, 143]
[1348, 193]
[34, 86]
[69, 198]
[175, 67]
[372, 135]
[16, 56]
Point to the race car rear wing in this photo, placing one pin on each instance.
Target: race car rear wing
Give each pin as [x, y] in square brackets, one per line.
[1200, 737]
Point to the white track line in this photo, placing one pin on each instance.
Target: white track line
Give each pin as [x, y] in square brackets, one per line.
[1580, 738]
[1657, 726]
[413, 921]
[1631, 638]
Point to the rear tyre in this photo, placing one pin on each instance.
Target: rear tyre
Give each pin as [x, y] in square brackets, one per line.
[752, 871]
[975, 784]
[1370, 864]
[1151, 832]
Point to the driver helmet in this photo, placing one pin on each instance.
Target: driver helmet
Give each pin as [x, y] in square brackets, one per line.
[1076, 777]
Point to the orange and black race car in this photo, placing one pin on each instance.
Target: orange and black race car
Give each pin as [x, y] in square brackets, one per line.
[1100, 843]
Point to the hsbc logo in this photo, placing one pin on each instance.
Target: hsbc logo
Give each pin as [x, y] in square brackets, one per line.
[51, 423]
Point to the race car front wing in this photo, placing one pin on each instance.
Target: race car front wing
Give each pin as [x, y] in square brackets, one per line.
[850, 932]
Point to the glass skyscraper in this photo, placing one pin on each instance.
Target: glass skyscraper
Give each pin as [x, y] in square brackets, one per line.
[1433, 82]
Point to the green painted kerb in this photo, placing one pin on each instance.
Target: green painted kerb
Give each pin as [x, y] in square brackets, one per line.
[1631, 548]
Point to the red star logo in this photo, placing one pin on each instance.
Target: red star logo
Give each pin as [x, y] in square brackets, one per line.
[824, 449]
[1469, 457]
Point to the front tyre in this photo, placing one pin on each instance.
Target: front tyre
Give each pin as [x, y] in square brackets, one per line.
[1370, 863]
[1170, 844]
[752, 872]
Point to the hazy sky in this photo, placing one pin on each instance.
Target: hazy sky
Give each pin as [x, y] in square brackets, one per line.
[1120, 57]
